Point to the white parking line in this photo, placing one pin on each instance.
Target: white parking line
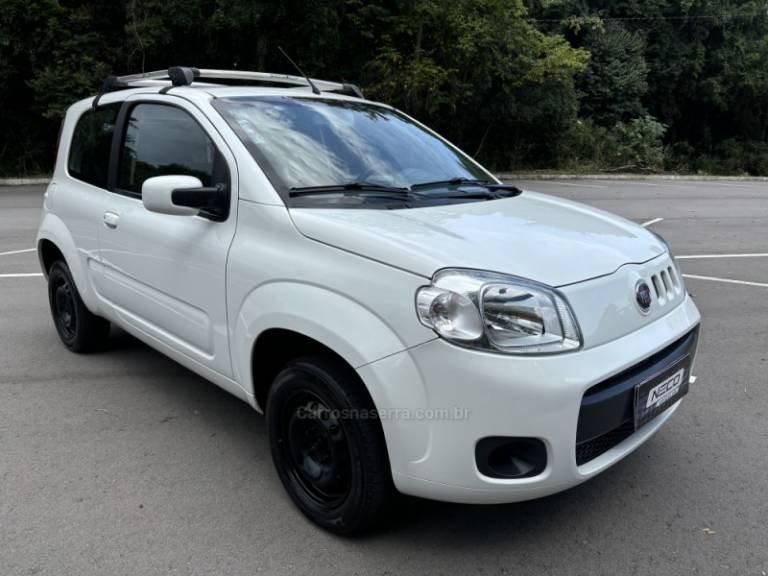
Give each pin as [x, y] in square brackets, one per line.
[725, 280]
[713, 184]
[559, 183]
[657, 185]
[651, 222]
[703, 256]
[30, 275]
[579, 185]
[18, 251]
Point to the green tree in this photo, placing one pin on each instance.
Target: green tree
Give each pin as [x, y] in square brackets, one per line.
[471, 68]
[615, 81]
[519, 84]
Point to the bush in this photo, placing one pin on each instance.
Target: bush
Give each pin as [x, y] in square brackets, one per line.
[730, 157]
[583, 147]
[638, 145]
[627, 146]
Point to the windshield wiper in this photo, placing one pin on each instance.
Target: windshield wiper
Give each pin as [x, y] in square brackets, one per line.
[390, 191]
[494, 190]
[450, 182]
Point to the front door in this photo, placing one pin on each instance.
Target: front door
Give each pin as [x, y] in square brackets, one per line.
[163, 275]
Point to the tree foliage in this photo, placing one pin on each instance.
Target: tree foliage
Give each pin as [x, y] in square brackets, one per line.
[615, 81]
[599, 84]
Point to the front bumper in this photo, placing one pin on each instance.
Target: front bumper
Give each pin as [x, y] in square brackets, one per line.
[437, 401]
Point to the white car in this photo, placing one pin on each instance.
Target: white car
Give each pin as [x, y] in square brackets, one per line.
[407, 322]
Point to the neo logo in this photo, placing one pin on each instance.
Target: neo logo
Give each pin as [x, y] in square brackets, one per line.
[666, 390]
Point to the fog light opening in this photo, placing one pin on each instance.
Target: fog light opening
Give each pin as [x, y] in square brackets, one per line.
[511, 458]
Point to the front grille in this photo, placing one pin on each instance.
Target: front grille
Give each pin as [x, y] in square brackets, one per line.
[606, 416]
[666, 285]
[591, 449]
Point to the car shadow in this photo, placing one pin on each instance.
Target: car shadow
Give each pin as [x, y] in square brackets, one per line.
[412, 521]
[218, 410]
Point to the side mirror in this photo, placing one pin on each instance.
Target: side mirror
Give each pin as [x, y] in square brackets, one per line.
[157, 194]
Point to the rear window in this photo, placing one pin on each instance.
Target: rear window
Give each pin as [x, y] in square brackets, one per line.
[91, 143]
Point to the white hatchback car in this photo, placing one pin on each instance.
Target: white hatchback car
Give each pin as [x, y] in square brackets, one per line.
[406, 321]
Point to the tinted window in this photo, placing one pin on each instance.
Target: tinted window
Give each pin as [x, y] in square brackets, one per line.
[91, 143]
[161, 140]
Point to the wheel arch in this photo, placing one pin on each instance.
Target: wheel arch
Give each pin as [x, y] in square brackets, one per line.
[275, 347]
[55, 242]
[48, 253]
[308, 317]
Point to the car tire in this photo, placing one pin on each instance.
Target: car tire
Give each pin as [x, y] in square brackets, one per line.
[79, 329]
[328, 445]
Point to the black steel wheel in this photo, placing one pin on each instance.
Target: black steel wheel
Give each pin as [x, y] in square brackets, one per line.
[328, 445]
[78, 328]
[315, 444]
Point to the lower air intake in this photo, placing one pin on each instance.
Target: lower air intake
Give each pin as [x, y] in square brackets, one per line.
[591, 449]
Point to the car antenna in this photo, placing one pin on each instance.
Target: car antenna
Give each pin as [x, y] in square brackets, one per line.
[309, 80]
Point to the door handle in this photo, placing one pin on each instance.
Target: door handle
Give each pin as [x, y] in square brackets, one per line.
[111, 219]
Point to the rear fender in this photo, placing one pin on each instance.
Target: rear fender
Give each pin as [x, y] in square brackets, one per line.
[52, 228]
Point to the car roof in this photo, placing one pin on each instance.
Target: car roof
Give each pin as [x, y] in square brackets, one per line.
[223, 91]
[194, 82]
[205, 92]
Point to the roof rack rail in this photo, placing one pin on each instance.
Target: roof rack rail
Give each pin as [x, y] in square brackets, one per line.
[179, 75]
[183, 76]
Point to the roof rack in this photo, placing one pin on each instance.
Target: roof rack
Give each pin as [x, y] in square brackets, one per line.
[185, 76]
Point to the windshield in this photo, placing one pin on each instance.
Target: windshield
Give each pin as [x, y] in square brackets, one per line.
[309, 142]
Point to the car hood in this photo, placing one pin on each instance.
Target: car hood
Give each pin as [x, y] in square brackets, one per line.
[533, 236]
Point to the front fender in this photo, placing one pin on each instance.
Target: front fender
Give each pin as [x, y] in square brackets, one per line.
[345, 326]
[356, 334]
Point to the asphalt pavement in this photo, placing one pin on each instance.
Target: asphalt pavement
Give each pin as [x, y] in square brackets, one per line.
[124, 462]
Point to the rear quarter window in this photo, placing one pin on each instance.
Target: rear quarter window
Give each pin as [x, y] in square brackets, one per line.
[91, 144]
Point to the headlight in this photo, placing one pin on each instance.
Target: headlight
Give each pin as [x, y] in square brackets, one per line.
[661, 239]
[496, 312]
